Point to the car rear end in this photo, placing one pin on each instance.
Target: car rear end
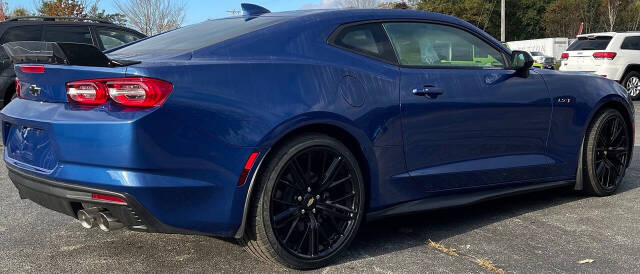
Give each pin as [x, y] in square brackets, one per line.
[593, 54]
[114, 149]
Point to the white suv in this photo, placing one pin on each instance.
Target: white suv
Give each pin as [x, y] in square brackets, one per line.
[609, 54]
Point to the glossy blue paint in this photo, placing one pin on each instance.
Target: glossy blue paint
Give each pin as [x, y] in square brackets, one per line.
[182, 161]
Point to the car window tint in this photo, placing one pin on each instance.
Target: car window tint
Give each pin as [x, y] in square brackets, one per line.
[433, 45]
[22, 33]
[112, 38]
[590, 43]
[199, 35]
[366, 39]
[631, 42]
[70, 34]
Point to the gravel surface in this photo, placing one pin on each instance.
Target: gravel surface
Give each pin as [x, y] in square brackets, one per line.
[548, 231]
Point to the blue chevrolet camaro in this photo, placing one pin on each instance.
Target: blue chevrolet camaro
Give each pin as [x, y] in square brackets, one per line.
[287, 130]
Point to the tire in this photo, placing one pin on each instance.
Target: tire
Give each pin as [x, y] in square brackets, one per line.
[329, 210]
[631, 82]
[606, 153]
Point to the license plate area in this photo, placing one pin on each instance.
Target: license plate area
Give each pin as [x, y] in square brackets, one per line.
[29, 148]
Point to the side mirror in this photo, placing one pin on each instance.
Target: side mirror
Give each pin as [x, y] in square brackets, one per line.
[521, 61]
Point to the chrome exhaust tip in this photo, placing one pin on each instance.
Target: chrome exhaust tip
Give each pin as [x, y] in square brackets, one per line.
[88, 217]
[107, 223]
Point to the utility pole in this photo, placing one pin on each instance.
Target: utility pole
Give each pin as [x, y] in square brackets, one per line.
[502, 22]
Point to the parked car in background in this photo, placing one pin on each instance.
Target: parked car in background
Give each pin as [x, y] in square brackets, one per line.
[612, 55]
[102, 34]
[547, 62]
[287, 130]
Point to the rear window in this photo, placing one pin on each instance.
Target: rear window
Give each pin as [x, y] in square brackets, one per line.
[590, 43]
[199, 35]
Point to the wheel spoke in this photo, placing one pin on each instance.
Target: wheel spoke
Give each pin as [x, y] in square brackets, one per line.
[291, 185]
[306, 232]
[286, 215]
[313, 237]
[335, 211]
[293, 226]
[297, 171]
[330, 173]
[285, 202]
[342, 198]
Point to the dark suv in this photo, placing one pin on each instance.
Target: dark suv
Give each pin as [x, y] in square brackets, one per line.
[102, 34]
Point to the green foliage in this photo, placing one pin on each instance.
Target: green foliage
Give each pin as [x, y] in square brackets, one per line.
[531, 19]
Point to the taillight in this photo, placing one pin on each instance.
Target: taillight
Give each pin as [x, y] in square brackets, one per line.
[32, 68]
[129, 92]
[18, 88]
[604, 55]
[87, 92]
[564, 56]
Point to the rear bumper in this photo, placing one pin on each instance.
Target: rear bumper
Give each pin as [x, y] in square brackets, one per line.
[609, 72]
[69, 198]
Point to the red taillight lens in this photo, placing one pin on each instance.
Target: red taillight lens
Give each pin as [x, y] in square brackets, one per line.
[87, 92]
[139, 92]
[129, 92]
[564, 56]
[247, 168]
[32, 68]
[107, 198]
[604, 55]
[18, 88]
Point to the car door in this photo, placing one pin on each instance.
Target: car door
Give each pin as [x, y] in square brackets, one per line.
[468, 120]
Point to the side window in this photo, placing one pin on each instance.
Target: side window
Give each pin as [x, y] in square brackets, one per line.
[631, 42]
[365, 39]
[22, 33]
[112, 38]
[71, 34]
[433, 45]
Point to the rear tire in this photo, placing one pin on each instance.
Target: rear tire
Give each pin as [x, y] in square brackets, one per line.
[606, 153]
[631, 82]
[308, 204]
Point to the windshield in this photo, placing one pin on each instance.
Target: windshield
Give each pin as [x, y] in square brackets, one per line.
[590, 43]
[536, 53]
[200, 35]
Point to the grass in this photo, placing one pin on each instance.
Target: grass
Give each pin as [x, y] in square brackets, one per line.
[484, 263]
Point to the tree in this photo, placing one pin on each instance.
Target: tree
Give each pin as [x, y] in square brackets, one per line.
[152, 16]
[116, 18]
[20, 11]
[358, 4]
[394, 5]
[68, 8]
[611, 8]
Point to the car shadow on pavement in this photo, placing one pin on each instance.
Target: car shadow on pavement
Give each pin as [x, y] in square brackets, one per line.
[403, 232]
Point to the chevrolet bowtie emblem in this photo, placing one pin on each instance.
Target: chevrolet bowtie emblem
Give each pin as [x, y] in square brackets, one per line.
[34, 90]
[310, 202]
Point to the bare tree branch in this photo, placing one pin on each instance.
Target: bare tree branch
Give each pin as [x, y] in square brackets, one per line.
[152, 16]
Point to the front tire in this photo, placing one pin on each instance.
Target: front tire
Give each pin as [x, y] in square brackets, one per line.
[606, 154]
[308, 205]
[631, 82]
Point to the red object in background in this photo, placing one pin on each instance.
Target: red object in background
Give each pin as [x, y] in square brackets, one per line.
[580, 28]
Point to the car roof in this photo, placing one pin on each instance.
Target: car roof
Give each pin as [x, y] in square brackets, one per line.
[56, 20]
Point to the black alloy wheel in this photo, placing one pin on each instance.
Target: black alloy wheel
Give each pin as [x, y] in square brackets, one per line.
[311, 203]
[607, 152]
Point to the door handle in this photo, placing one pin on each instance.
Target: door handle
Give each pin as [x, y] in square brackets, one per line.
[428, 91]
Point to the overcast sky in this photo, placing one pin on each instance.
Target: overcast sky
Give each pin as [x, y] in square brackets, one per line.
[200, 10]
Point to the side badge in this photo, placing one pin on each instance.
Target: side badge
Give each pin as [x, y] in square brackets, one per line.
[565, 100]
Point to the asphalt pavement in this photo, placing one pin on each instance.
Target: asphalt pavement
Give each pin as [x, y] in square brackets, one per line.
[551, 231]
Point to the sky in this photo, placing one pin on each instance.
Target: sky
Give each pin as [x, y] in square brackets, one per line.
[200, 10]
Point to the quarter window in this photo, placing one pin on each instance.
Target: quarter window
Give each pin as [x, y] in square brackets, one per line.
[365, 39]
[112, 38]
[433, 45]
[631, 42]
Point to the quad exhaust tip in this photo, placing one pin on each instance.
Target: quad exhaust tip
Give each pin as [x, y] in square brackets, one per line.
[93, 217]
[107, 223]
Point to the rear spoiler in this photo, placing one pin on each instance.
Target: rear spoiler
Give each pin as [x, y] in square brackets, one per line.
[59, 53]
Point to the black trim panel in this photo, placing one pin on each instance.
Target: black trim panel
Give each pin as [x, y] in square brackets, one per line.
[455, 200]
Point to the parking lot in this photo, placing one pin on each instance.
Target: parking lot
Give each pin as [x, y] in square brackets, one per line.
[547, 231]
